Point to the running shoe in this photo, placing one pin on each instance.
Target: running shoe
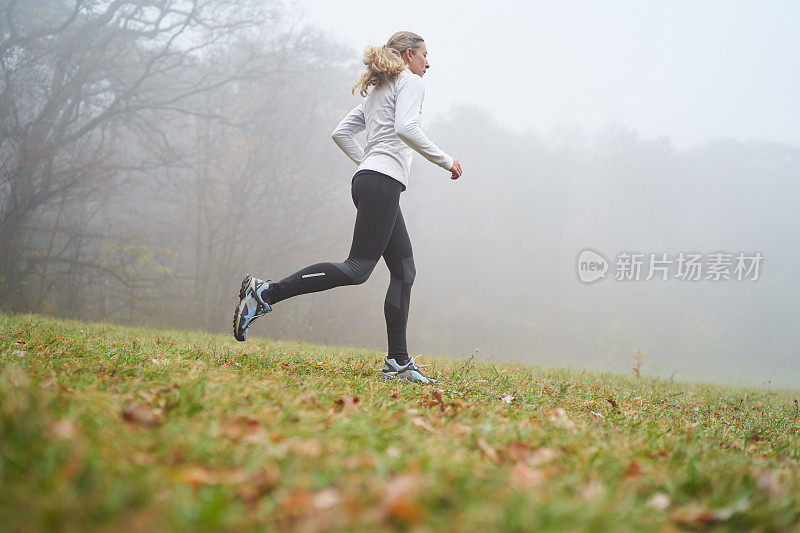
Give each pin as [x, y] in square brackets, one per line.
[251, 305]
[411, 371]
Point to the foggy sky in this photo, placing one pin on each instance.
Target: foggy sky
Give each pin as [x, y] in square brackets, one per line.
[692, 71]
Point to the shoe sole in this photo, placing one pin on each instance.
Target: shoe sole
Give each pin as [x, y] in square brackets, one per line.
[236, 317]
[245, 284]
[238, 313]
[397, 377]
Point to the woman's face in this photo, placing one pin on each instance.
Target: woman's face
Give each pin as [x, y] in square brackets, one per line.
[417, 61]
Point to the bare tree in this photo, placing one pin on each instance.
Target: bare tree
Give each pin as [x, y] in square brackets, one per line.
[74, 78]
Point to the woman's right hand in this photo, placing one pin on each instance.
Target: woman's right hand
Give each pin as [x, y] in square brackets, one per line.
[455, 170]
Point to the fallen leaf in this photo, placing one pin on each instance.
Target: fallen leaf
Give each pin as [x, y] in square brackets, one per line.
[542, 456]
[243, 428]
[523, 476]
[198, 476]
[593, 489]
[612, 402]
[462, 429]
[659, 501]
[360, 461]
[399, 499]
[518, 451]
[307, 448]
[633, 469]
[347, 403]
[487, 449]
[421, 423]
[559, 418]
[140, 415]
[254, 488]
[326, 499]
[769, 481]
[62, 429]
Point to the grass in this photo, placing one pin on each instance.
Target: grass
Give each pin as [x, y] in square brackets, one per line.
[111, 428]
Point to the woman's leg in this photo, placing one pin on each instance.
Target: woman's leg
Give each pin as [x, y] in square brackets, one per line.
[400, 260]
[377, 199]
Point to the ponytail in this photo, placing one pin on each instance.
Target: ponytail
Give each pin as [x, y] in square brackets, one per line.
[385, 62]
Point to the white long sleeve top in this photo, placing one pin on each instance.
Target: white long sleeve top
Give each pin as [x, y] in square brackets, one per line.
[391, 115]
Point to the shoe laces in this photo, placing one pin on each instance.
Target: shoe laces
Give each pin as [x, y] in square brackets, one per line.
[413, 365]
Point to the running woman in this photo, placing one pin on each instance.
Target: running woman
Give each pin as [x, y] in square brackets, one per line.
[390, 112]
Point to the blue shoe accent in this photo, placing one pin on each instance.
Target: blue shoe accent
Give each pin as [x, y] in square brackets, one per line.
[251, 305]
[411, 371]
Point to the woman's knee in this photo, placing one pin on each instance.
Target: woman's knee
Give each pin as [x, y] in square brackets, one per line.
[403, 270]
[358, 270]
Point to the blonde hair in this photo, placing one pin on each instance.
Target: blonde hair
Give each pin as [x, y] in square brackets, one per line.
[385, 62]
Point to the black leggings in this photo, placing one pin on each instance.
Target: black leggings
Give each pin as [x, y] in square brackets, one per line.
[379, 231]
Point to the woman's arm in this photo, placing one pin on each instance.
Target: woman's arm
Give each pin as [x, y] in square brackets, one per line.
[406, 122]
[345, 132]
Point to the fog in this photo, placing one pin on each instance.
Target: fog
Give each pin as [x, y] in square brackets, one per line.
[151, 158]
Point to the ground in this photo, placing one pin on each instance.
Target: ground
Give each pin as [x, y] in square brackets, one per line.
[110, 428]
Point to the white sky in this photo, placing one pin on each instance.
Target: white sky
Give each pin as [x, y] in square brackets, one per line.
[689, 70]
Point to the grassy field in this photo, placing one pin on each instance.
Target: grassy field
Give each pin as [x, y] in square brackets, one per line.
[111, 428]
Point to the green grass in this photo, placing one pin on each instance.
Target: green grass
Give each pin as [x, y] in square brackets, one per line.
[111, 428]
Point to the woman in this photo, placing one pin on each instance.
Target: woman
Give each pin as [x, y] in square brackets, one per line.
[390, 112]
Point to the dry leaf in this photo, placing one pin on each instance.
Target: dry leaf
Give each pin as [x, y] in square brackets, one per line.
[559, 418]
[612, 402]
[62, 429]
[633, 469]
[659, 501]
[593, 489]
[421, 423]
[769, 481]
[400, 501]
[326, 499]
[518, 451]
[462, 429]
[347, 403]
[487, 449]
[253, 489]
[243, 428]
[140, 415]
[523, 476]
[542, 456]
[307, 448]
[198, 476]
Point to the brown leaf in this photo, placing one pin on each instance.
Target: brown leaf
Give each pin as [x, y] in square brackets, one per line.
[198, 476]
[421, 423]
[400, 499]
[769, 481]
[593, 489]
[347, 403]
[62, 429]
[559, 418]
[659, 501]
[243, 428]
[140, 415]
[254, 488]
[360, 461]
[612, 402]
[307, 448]
[487, 449]
[438, 396]
[518, 451]
[523, 476]
[634, 469]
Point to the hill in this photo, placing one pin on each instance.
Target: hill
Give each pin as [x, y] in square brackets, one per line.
[107, 427]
